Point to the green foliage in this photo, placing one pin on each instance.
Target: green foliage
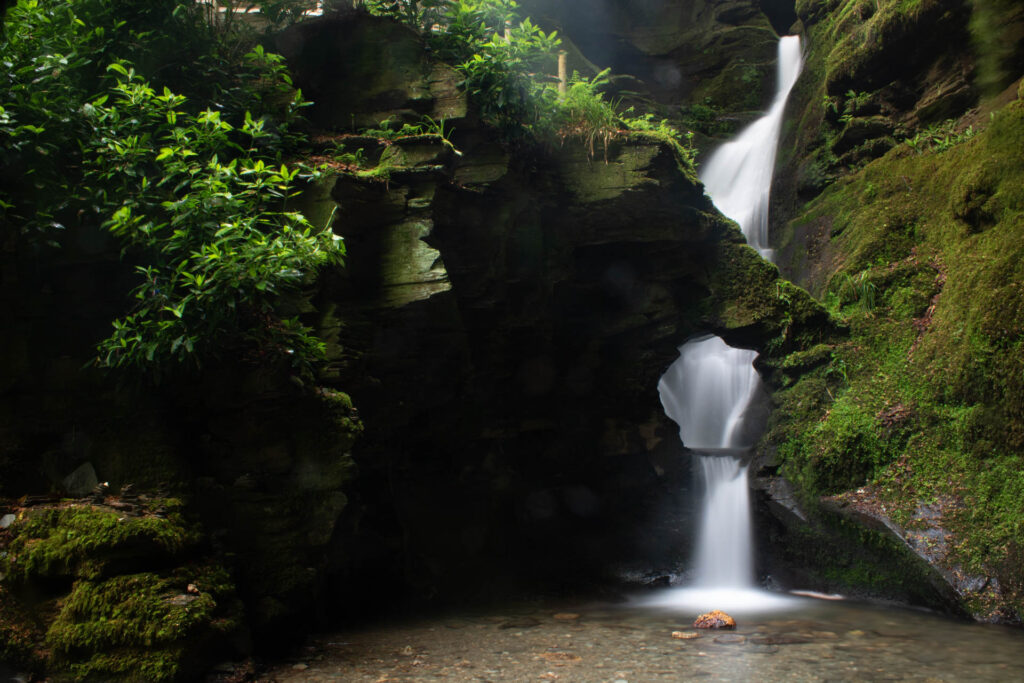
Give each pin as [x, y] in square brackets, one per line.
[427, 127]
[499, 71]
[660, 129]
[508, 63]
[859, 290]
[939, 137]
[196, 196]
[191, 180]
[856, 101]
[275, 14]
[583, 112]
[707, 118]
[54, 54]
[419, 14]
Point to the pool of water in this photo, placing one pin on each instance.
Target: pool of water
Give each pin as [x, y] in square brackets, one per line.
[651, 639]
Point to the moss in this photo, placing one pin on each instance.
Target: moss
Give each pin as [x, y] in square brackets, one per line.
[81, 541]
[113, 597]
[136, 626]
[751, 300]
[923, 399]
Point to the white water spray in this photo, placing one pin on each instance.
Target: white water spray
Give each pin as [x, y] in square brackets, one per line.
[708, 390]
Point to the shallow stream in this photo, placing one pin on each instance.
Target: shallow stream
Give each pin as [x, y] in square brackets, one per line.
[804, 639]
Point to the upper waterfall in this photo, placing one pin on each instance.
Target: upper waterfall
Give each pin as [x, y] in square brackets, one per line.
[738, 177]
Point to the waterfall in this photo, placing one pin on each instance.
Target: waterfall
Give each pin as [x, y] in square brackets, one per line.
[738, 177]
[706, 393]
[708, 390]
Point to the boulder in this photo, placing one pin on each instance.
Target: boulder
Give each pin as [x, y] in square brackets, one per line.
[81, 481]
[714, 619]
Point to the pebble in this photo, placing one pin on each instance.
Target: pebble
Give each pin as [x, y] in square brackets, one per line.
[730, 639]
[567, 616]
[7, 520]
[685, 635]
[300, 666]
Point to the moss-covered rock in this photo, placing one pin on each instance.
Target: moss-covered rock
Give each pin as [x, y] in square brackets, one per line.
[919, 408]
[91, 593]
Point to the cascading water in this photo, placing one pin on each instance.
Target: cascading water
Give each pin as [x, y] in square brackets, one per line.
[738, 177]
[708, 390]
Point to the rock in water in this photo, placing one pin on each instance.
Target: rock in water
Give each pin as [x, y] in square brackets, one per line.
[715, 619]
[685, 635]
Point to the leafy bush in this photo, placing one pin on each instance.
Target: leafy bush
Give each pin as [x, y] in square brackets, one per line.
[193, 183]
[210, 215]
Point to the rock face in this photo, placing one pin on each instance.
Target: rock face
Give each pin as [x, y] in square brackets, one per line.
[505, 317]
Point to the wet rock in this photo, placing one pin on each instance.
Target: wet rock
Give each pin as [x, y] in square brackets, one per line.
[561, 657]
[98, 495]
[685, 635]
[715, 619]
[128, 494]
[763, 649]
[7, 520]
[730, 639]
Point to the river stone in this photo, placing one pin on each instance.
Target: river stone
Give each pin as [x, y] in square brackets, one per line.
[81, 482]
[7, 520]
[730, 639]
[685, 635]
[715, 619]
[782, 639]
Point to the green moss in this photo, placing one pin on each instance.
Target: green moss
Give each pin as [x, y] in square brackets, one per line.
[748, 294]
[923, 400]
[140, 627]
[81, 540]
[115, 597]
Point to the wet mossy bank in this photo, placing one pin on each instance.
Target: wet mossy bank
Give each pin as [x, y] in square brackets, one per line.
[916, 417]
[909, 230]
